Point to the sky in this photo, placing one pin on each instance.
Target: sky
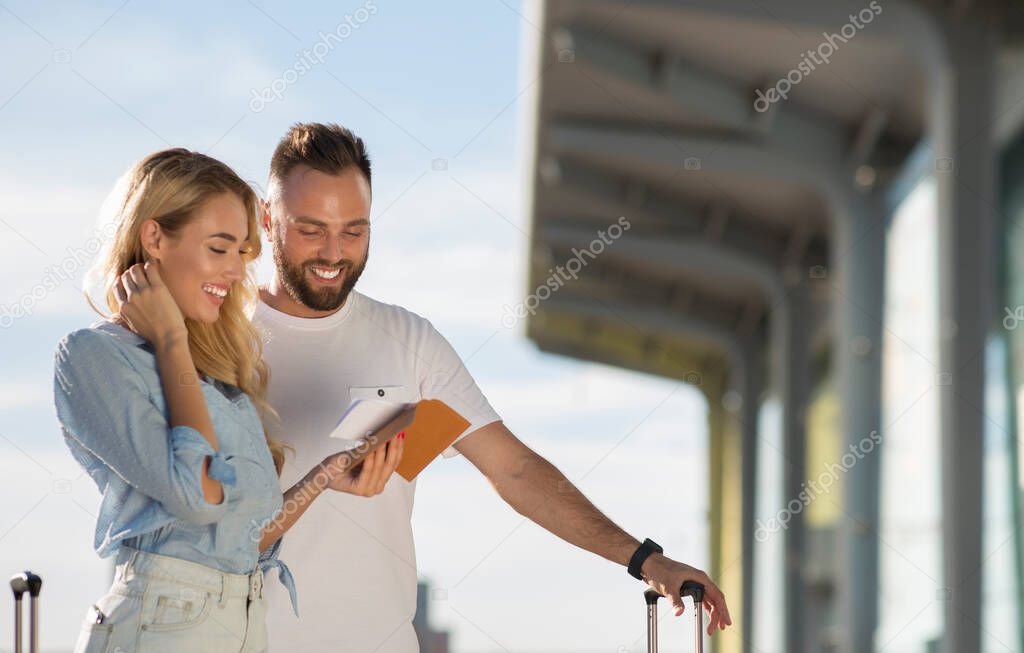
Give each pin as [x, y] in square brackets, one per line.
[440, 95]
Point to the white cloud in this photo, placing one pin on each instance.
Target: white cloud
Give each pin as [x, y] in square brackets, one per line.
[23, 395]
[49, 241]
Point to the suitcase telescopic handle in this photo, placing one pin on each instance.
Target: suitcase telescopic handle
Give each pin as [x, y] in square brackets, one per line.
[20, 584]
[689, 588]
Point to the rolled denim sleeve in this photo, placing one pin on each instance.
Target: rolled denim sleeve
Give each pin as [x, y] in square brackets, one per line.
[188, 446]
[104, 404]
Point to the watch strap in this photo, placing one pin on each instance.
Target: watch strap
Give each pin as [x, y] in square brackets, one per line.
[641, 554]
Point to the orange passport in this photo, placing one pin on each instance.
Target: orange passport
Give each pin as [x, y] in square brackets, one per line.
[434, 427]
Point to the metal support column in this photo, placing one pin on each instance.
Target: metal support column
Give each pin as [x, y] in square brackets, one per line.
[793, 372]
[752, 386]
[859, 302]
[962, 138]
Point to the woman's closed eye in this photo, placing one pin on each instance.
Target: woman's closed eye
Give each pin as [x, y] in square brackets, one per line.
[244, 251]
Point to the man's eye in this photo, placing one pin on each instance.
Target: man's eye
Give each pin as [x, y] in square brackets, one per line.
[308, 233]
[353, 234]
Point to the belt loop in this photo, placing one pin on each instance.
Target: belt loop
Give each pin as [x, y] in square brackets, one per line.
[256, 584]
[223, 590]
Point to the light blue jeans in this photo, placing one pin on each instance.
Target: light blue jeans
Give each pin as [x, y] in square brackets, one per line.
[159, 604]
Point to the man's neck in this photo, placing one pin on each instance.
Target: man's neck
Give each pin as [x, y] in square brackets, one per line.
[277, 298]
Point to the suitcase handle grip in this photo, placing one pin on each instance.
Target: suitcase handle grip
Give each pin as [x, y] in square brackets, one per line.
[31, 583]
[26, 582]
[689, 588]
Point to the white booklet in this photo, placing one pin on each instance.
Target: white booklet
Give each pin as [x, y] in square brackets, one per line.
[364, 417]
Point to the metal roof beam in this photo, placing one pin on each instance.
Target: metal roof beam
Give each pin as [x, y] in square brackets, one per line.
[602, 193]
[654, 319]
[677, 256]
[820, 166]
[685, 84]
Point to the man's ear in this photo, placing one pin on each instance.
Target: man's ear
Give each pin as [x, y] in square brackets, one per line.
[152, 239]
[266, 220]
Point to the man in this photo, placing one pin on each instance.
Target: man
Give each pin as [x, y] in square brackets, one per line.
[352, 556]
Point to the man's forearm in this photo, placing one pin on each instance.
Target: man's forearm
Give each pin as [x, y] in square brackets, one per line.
[539, 491]
[536, 489]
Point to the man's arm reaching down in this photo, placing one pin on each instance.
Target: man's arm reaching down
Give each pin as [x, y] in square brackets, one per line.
[537, 490]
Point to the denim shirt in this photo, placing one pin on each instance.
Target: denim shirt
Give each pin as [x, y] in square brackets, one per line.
[111, 408]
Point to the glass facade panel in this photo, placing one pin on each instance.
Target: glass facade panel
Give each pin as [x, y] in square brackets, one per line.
[910, 545]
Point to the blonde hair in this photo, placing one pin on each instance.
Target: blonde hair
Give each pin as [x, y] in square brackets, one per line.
[168, 186]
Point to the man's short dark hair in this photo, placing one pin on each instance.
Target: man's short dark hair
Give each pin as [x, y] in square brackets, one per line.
[328, 148]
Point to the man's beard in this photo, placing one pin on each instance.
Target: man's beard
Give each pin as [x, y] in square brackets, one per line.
[326, 298]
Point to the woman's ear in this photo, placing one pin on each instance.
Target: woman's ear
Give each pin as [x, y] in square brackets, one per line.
[151, 239]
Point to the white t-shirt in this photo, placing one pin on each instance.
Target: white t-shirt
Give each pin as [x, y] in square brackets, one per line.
[353, 557]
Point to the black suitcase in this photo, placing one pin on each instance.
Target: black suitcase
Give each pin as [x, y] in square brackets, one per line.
[651, 596]
[21, 583]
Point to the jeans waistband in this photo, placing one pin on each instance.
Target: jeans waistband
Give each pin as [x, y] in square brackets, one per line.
[224, 585]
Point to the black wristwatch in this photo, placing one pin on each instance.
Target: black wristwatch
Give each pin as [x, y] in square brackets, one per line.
[642, 553]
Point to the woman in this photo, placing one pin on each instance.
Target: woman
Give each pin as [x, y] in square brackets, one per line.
[163, 405]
